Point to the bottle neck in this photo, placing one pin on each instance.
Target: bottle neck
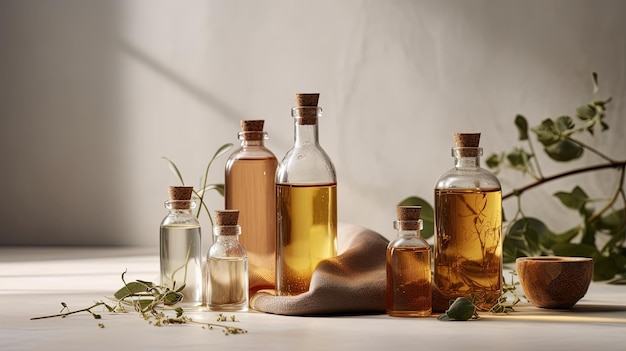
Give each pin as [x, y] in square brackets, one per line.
[467, 157]
[252, 138]
[408, 228]
[305, 134]
[305, 125]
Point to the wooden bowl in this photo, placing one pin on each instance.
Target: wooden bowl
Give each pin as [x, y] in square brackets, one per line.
[554, 281]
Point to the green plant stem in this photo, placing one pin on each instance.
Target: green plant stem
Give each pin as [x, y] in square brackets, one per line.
[612, 200]
[532, 150]
[64, 314]
[520, 191]
[590, 149]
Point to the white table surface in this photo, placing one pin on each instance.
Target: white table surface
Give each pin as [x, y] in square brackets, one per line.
[34, 282]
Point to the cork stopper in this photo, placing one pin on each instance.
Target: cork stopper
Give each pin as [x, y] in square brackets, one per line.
[252, 129]
[180, 196]
[306, 106]
[468, 144]
[226, 221]
[408, 217]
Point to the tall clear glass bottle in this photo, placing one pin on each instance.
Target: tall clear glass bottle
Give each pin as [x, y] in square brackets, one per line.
[249, 186]
[306, 203]
[227, 266]
[409, 282]
[468, 220]
[180, 247]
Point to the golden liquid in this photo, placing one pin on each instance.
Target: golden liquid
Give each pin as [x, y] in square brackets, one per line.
[307, 233]
[250, 189]
[409, 290]
[468, 254]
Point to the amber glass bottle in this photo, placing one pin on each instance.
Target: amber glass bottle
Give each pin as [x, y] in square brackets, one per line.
[249, 187]
[468, 220]
[306, 203]
[409, 288]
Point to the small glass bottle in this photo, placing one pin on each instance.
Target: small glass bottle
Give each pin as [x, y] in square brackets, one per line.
[227, 266]
[180, 247]
[306, 203]
[249, 186]
[409, 287]
[468, 221]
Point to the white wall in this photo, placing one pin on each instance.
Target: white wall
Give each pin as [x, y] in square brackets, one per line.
[93, 93]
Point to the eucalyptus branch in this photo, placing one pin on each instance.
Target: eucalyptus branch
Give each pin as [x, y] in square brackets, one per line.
[536, 162]
[520, 191]
[590, 149]
[65, 314]
[612, 200]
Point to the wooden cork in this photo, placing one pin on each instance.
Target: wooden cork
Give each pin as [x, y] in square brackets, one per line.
[180, 195]
[252, 129]
[227, 220]
[408, 217]
[306, 105]
[468, 144]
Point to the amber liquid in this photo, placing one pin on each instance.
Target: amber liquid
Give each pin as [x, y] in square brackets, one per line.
[307, 233]
[409, 290]
[250, 189]
[468, 254]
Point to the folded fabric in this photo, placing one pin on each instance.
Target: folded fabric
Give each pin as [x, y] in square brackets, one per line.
[351, 283]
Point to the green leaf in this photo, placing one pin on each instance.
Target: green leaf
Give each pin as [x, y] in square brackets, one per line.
[564, 150]
[522, 127]
[461, 309]
[530, 236]
[174, 169]
[172, 297]
[604, 268]
[564, 124]
[574, 250]
[493, 161]
[594, 77]
[547, 133]
[586, 112]
[130, 289]
[574, 200]
[427, 215]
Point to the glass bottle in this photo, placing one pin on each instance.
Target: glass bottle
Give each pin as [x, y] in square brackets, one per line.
[468, 221]
[180, 247]
[227, 266]
[409, 287]
[249, 186]
[306, 203]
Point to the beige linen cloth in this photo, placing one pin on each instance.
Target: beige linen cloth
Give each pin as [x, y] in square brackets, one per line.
[351, 283]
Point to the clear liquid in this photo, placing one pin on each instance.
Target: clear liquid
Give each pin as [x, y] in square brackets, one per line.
[468, 254]
[181, 261]
[250, 188]
[409, 289]
[307, 233]
[228, 284]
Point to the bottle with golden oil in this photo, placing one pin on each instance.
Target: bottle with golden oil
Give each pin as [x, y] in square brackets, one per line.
[306, 203]
[249, 186]
[468, 221]
[180, 247]
[227, 266]
[409, 287]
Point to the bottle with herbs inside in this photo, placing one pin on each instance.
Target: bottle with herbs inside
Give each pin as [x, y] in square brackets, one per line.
[468, 221]
[227, 266]
[306, 202]
[409, 287]
[249, 187]
[180, 247]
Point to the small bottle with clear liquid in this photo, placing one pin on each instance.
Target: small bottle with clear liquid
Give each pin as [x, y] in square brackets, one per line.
[409, 287]
[306, 203]
[468, 221]
[227, 266]
[180, 247]
[249, 186]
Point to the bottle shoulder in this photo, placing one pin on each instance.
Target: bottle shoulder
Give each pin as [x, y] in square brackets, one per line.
[468, 178]
[180, 220]
[251, 152]
[306, 165]
[408, 241]
[230, 248]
